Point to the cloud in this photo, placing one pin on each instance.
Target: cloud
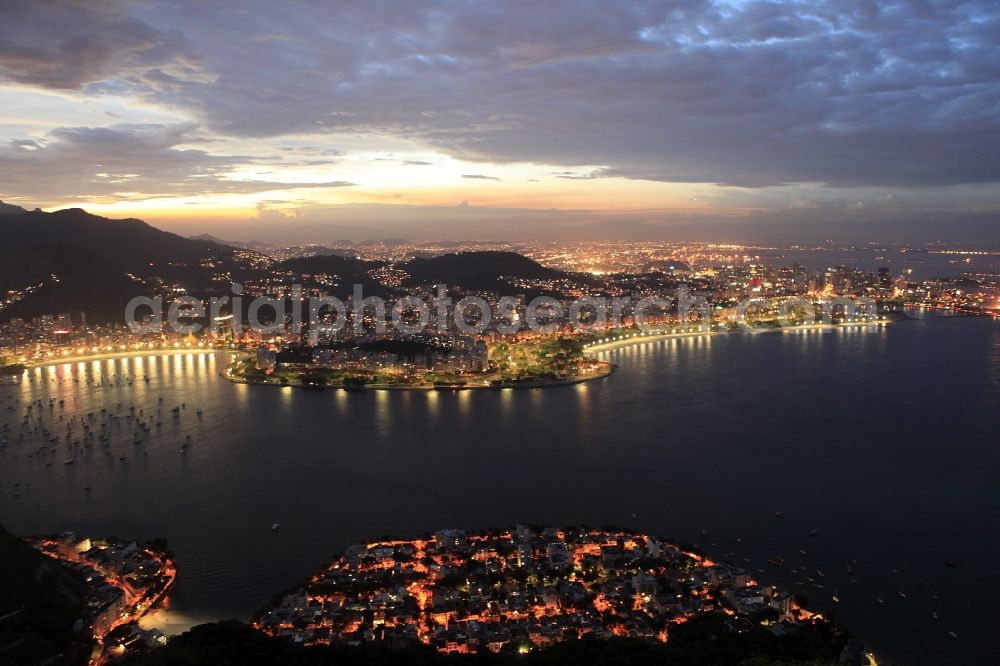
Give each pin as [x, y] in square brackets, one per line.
[127, 161]
[272, 211]
[66, 44]
[799, 202]
[478, 176]
[750, 94]
[890, 202]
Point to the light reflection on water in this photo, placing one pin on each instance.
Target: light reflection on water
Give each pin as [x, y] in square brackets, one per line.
[879, 439]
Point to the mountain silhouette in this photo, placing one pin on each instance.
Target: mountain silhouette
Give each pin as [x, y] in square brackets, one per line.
[481, 271]
[71, 261]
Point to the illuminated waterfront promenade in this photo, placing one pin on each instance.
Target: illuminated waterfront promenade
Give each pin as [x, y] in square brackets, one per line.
[625, 339]
[111, 355]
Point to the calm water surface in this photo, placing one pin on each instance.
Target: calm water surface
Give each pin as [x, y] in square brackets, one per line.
[884, 441]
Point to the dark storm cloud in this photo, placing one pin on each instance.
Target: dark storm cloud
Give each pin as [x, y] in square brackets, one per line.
[844, 92]
[70, 43]
[125, 162]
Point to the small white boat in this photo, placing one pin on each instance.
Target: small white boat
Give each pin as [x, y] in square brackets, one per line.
[276, 527]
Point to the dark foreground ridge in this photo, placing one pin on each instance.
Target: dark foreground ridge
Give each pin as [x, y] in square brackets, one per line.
[41, 604]
[705, 640]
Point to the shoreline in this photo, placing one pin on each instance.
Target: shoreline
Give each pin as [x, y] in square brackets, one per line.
[656, 337]
[110, 356]
[592, 348]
